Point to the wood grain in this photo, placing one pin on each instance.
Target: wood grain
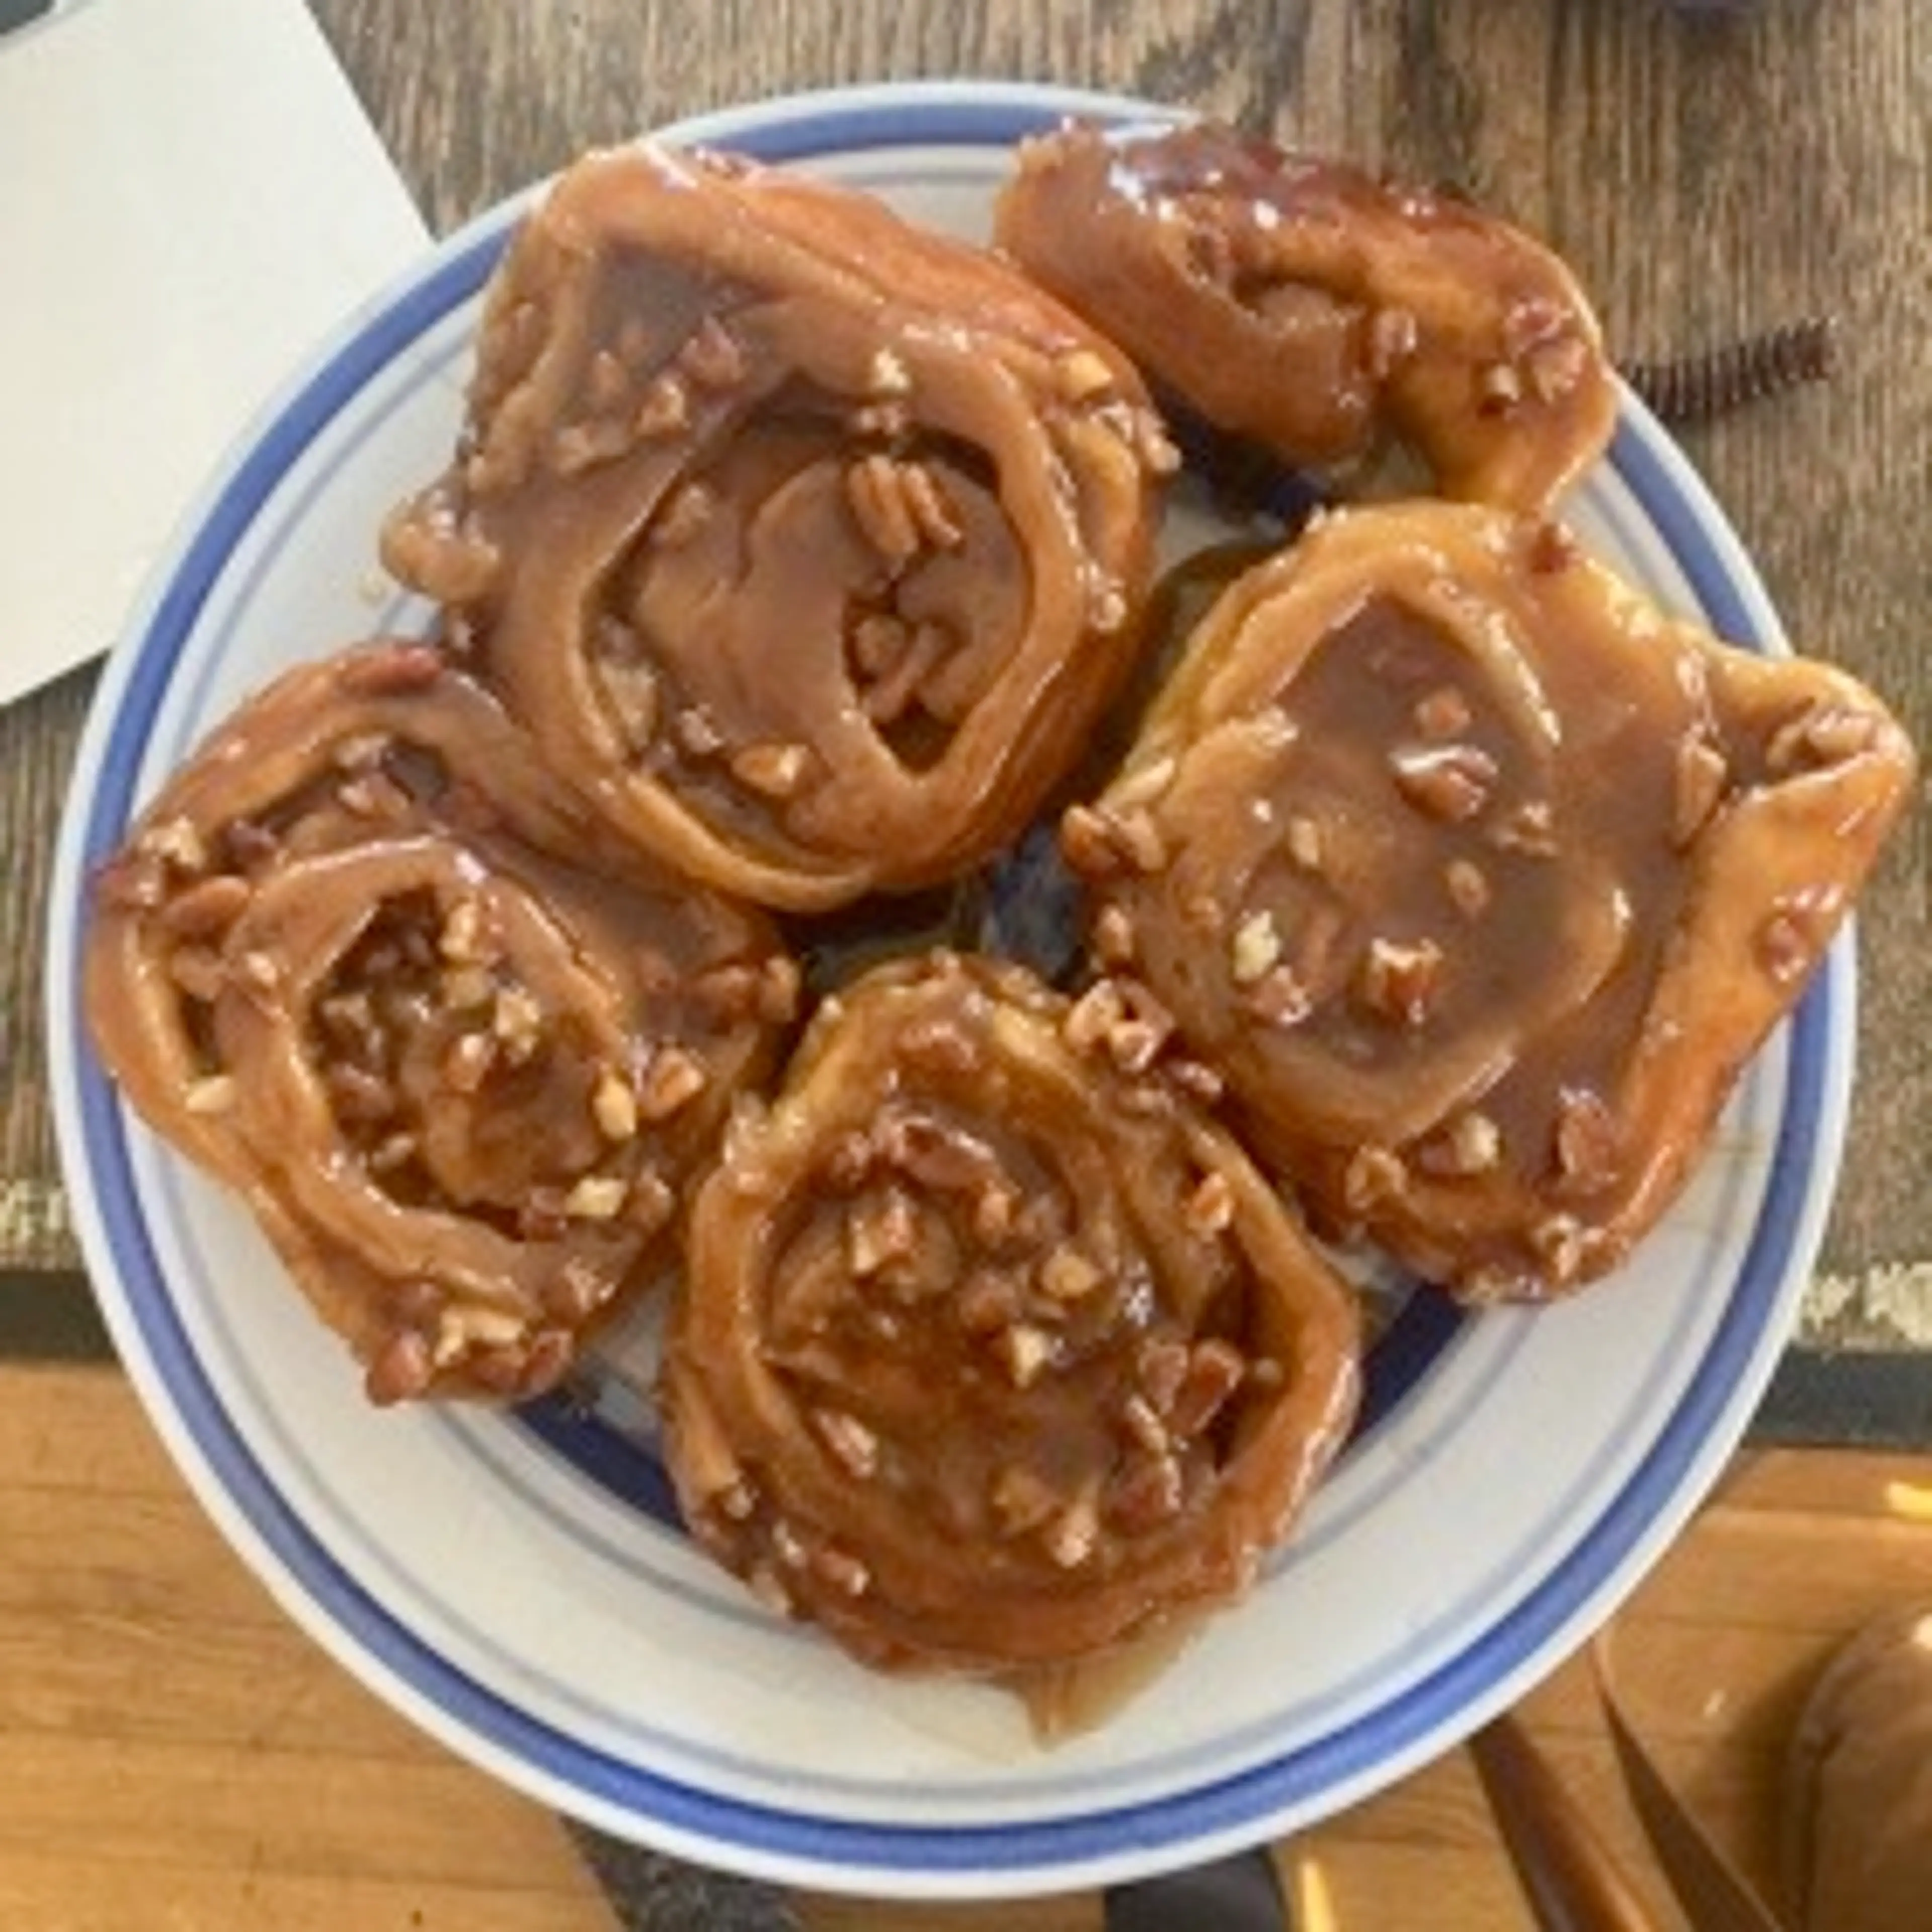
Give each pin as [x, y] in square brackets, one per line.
[174, 1753]
[38, 736]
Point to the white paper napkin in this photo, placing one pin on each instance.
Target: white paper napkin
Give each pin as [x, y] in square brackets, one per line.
[190, 196]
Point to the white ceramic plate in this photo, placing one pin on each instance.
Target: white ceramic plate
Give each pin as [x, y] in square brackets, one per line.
[520, 1587]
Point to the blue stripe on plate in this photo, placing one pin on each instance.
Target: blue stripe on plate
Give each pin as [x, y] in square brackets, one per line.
[1059, 1848]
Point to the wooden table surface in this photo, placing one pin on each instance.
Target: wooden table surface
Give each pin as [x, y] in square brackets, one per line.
[1709, 173]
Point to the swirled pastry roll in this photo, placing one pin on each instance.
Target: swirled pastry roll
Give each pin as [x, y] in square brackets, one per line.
[994, 1354]
[1318, 310]
[1480, 879]
[808, 544]
[356, 961]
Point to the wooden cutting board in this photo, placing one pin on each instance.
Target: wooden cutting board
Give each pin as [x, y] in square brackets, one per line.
[174, 1754]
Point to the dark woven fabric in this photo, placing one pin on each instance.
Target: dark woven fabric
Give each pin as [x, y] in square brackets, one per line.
[649, 1893]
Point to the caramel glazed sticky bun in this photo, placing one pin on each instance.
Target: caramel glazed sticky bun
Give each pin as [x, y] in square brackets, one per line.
[971, 1184]
[808, 544]
[1481, 879]
[363, 961]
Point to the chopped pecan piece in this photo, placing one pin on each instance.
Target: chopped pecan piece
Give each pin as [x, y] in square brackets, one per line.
[1450, 782]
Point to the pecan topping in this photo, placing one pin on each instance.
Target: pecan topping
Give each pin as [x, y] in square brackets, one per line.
[1444, 714]
[1143, 1423]
[597, 1197]
[652, 1202]
[1022, 1500]
[1094, 1016]
[1215, 1370]
[614, 1106]
[1081, 374]
[842, 1571]
[634, 695]
[853, 1446]
[1254, 949]
[1531, 829]
[1468, 886]
[1211, 1208]
[401, 1369]
[1026, 1350]
[1140, 841]
[1113, 936]
[879, 1228]
[665, 411]
[1786, 946]
[1393, 336]
[1498, 389]
[674, 1079]
[460, 941]
[712, 355]
[1140, 787]
[1161, 1368]
[1099, 844]
[198, 972]
[1471, 1143]
[1588, 1155]
[686, 511]
[1149, 1495]
[900, 508]
[697, 736]
[465, 989]
[1075, 1534]
[467, 1065]
[1068, 1275]
[1305, 842]
[1559, 1241]
[517, 1021]
[988, 1302]
[777, 771]
[178, 843]
[1374, 1175]
[1821, 735]
[888, 375]
[578, 447]
[1279, 999]
[1450, 782]
[1399, 983]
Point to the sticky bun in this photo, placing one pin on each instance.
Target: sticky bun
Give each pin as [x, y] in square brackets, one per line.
[458, 1052]
[994, 1353]
[808, 544]
[1480, 879]
[1318, 311]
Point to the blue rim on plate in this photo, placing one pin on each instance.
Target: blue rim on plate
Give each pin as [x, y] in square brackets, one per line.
[1097, 1845]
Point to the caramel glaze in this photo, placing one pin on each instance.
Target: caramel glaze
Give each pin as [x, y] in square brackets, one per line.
[808, 545]
[995, 1353]
[1479, 879]
[1322, 312]
[459, 1049]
